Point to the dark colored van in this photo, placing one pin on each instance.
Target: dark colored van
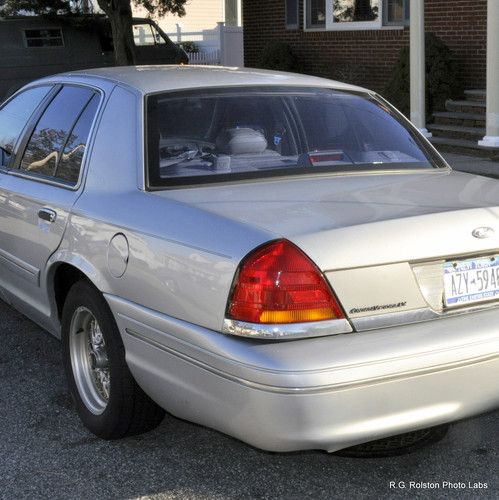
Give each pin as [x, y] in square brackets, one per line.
[33, 47]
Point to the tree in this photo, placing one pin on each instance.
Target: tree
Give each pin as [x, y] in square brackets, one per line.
[442, 77]
[39, 7]
[356, 10]
[364, 11]
[119, 13]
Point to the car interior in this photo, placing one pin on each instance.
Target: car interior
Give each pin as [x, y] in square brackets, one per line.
[236, 132]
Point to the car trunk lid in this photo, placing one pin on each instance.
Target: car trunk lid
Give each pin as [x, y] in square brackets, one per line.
[361, 220]
[382, 240]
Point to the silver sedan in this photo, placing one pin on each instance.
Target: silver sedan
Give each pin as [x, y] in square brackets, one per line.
[280, 257]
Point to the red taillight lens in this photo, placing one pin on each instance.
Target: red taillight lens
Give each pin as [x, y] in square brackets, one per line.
[278, 283]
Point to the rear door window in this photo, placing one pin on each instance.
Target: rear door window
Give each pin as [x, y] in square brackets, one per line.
[55, 148]
[70, 162]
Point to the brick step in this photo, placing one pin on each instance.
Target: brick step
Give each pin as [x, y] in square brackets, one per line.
[463, 146]
[455, 118]
[457, 132]
[475, 95]
[475, 107]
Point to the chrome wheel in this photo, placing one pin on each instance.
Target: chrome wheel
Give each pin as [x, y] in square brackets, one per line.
[89, 360]
[106, 397]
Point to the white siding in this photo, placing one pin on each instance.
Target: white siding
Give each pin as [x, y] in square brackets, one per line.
[200, 15]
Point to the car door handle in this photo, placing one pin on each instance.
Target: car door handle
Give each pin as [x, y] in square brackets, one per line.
[47, 214]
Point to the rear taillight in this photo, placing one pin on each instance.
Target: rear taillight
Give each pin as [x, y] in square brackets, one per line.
[278, 283]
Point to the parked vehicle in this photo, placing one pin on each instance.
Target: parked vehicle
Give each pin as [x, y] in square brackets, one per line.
[33, 47]
[280, 257]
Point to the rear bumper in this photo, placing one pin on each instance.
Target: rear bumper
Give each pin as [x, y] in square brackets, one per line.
[323, 393]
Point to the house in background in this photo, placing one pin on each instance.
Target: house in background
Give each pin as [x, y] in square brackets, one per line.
[214, 26]
[360, 41]
[35, 46]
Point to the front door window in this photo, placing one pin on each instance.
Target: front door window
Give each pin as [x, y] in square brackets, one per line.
[146, 35]
[14, 116]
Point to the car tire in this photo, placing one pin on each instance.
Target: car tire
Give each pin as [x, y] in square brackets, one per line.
[107, 398]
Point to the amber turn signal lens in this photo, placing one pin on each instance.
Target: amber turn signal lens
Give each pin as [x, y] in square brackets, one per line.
[278, 283]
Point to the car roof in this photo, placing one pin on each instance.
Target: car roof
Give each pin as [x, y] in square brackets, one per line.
[151, 79]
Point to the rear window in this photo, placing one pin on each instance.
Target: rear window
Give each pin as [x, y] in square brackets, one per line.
[228, 134]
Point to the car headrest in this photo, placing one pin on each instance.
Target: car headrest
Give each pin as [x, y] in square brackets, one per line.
[240, 141]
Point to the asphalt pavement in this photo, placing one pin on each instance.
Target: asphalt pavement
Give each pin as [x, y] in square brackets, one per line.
[45, 452]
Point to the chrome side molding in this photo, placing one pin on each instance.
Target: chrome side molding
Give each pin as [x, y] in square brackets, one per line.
[394, 319]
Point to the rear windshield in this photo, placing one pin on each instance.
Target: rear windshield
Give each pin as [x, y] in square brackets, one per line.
[229, 134]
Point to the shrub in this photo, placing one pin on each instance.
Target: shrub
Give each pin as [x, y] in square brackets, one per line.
[442, 78]
[279, 56]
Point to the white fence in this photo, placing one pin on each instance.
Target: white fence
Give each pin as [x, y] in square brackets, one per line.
[211, 57]
[205, 39]
[220, 46]
[231, 46]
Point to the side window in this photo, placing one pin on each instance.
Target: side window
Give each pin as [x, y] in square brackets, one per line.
[55, 128]
[14, 117]
[143, 35]
[49, 37]
[146, 34]
[69, 165]
[157, 36]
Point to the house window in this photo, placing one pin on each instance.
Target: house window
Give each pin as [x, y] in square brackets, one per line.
[292, 16]
[50, 37]
[354, 14]
[396, 12]
[351, 11]
[316, 13]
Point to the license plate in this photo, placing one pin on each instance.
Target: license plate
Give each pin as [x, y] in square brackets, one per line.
[469, 281]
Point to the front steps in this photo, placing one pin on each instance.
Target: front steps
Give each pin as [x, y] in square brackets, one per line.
[462, 125]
